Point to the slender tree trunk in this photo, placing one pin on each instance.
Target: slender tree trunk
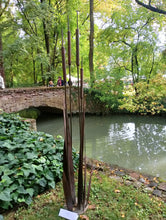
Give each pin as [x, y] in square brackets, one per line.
[151, 69]
[91, 44]
[135, 68]
[46, 37]
[55, 49]
[34, 72]
[2, 72]
[34, 68]
[42, 74]
[11, 75]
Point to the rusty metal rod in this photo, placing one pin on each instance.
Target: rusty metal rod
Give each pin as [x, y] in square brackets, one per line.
[82, 132]
[63, 61]
[68, 169]
[80, 167]
[70, 82]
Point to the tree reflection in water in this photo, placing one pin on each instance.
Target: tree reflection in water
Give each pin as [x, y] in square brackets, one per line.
[134, 142]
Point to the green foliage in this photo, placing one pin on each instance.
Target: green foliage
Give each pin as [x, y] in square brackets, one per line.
[150, 98]
[31, 39]
[114, 200]
[29, 113]
[108, 92]
[129, 39]
[109, 199]
[30, 162]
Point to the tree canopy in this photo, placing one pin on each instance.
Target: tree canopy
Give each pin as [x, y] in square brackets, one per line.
[125, 39]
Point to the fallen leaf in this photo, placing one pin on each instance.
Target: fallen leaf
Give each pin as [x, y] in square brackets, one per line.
[117, 191]
[92, 207]
[84, 217]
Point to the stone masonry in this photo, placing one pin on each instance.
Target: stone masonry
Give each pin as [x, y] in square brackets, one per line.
[14, 100]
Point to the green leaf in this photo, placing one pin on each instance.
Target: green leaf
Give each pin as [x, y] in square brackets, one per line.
[52, 184]
[42, 160]
[26, 172]
[31, 155]
[13, 187]
[28, 200]
[39, 167]
[30, 191]
[6, 180]
[42, 182]
[20, 173]
[21, 200]
[11, 157]
[21, 190]
[49, 175]
[5, 195]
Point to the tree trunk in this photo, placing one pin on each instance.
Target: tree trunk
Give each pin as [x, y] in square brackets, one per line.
[91, 44]
[46, 37]
[2, 72]
[54, 50]
[42, 74]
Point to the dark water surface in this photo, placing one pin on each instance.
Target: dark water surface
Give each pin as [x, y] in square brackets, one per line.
[134, 142]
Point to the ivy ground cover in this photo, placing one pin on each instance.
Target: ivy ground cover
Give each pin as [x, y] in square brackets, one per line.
[30, 161]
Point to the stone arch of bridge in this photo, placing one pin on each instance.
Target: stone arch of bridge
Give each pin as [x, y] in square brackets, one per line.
[15, 100]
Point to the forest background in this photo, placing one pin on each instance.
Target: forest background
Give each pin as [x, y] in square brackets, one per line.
[122, 45]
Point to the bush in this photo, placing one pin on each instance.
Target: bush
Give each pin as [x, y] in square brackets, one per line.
[149, 98]
[30, 161]
[108, 93]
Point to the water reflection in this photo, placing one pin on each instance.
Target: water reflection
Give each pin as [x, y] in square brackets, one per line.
[132, 142]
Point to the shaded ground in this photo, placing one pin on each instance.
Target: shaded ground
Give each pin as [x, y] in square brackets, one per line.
[116, 193]
[148, 183]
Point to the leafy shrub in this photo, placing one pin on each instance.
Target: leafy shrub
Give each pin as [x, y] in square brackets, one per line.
[30, 161]
[108, 92]
[29, 113]
[149, 98]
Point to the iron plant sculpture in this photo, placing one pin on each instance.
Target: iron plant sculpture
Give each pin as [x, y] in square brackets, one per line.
[81, 202]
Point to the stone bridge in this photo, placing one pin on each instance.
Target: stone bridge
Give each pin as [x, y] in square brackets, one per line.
[14, 100]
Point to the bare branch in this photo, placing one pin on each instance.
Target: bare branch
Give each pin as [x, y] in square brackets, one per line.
[150, 7]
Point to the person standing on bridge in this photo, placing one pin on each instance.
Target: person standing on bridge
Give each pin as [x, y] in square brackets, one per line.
[60, 81]
[2, 84]
[50, 83]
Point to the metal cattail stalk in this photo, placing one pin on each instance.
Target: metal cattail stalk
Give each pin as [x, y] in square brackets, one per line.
[63, 62]
[82, 134]
[70, 82]
[78, 61]
[81, 180]
[68, 169]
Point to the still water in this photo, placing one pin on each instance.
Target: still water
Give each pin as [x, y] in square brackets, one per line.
[134, 142]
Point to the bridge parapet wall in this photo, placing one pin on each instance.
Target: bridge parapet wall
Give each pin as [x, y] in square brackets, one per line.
[14, 100]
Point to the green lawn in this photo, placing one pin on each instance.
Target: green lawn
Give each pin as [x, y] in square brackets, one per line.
[109, 199]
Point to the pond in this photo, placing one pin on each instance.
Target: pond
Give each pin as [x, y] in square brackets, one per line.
[133, 142]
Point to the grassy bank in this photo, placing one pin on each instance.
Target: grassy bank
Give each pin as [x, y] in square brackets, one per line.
[109, 199]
